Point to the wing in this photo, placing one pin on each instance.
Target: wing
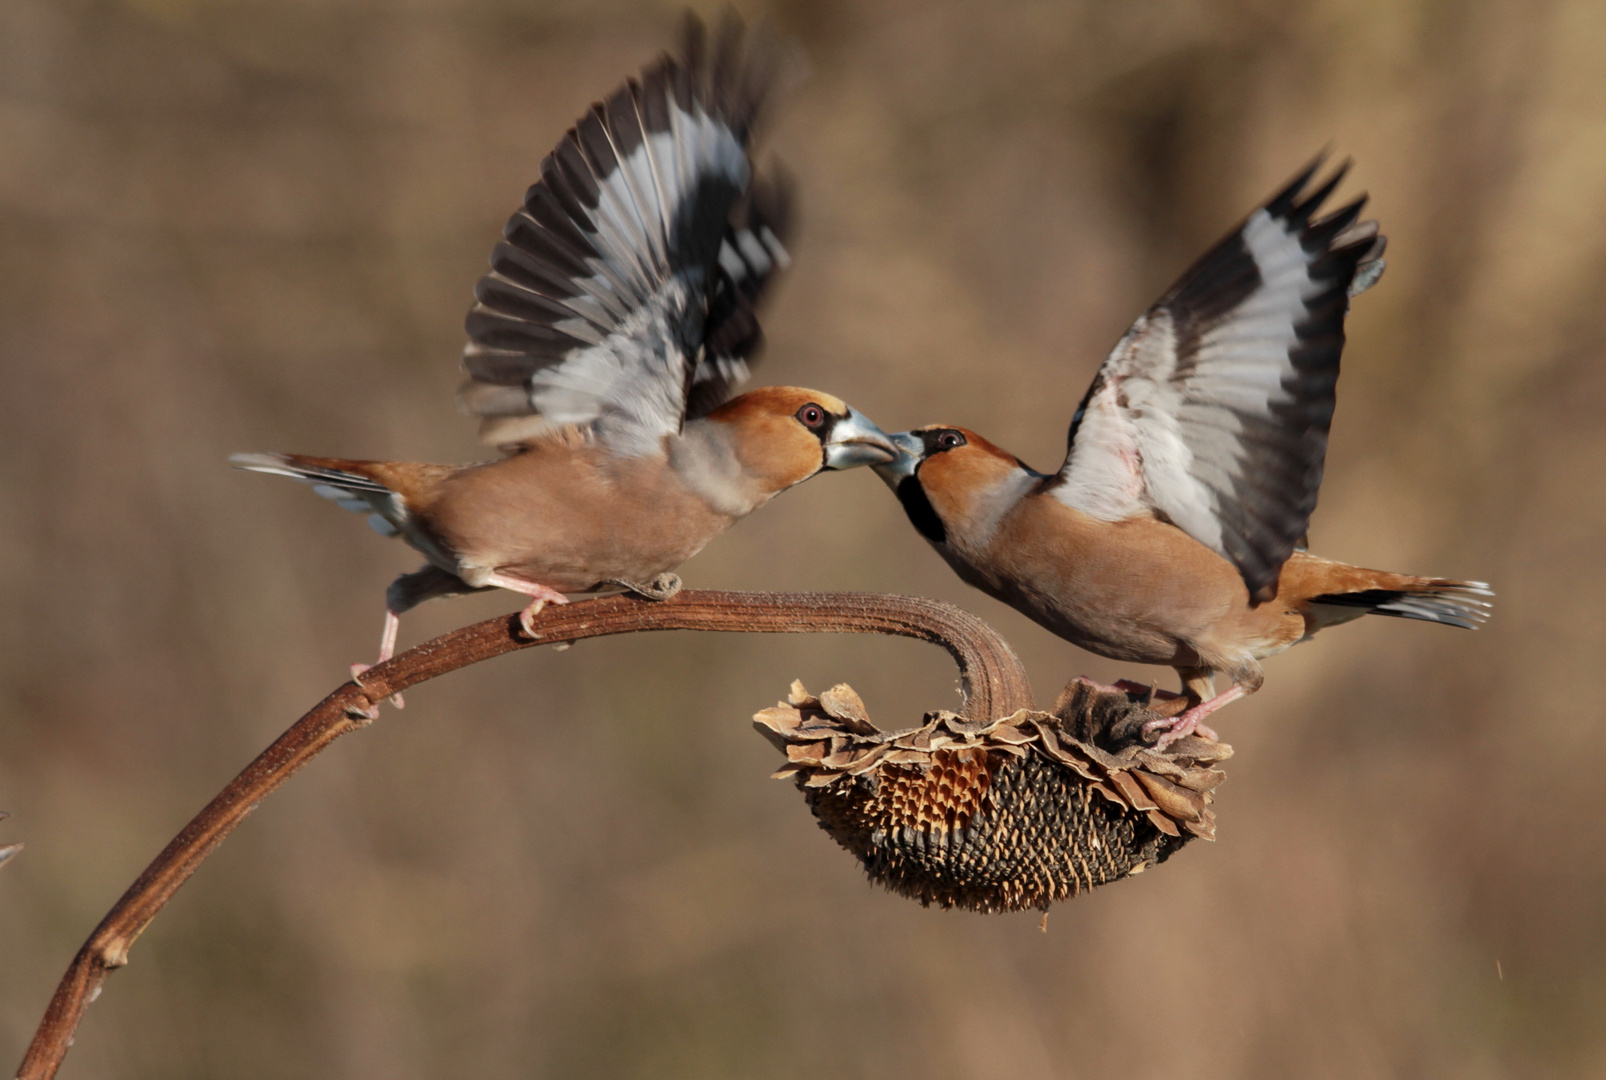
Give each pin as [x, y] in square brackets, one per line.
[752, 253]
[614, 298]
[1213, 411]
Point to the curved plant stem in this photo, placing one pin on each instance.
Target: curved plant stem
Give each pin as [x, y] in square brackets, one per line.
[994, 682]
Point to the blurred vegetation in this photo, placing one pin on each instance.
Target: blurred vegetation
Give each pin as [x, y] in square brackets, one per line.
[242, 225]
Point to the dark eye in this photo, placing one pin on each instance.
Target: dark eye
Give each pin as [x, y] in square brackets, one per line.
[947, 440]
[811, 415]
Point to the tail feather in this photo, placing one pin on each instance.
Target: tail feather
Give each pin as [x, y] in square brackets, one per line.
[308, 470]
[349, 490]
[1440, 600]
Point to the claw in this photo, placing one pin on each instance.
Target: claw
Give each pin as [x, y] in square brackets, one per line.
[1169, 731]
[527, 618]
[370, 713]
[387, 649]
[540, 596]
[358, 669]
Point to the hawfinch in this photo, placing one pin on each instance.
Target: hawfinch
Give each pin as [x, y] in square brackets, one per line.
[616, 320]
[1174, 533]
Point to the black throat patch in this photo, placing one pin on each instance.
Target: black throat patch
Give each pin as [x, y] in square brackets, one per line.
[919, 509]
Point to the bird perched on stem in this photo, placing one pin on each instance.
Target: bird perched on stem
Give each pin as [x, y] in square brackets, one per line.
[617, 319]
[1174, 533]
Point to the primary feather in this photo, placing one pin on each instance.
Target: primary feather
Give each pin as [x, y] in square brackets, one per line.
[622, 296]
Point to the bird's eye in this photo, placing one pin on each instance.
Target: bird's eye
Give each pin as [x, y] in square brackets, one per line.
[947, 440]
[811, 415]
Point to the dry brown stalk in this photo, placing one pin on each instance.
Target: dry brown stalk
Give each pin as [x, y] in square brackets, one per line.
[994, 682]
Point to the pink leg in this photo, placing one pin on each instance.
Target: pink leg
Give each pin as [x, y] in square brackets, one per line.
[387, 640]
[387, 649]
[541, 595]
[1188, 722]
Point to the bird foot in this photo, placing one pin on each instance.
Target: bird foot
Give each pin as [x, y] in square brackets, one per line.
[395, 699]
[540, 596]
[527, 616]
[661, 587]
[387, 649]
[1166, 732]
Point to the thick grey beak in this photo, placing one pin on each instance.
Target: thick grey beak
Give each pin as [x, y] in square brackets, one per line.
[856, 441]
[909, 449]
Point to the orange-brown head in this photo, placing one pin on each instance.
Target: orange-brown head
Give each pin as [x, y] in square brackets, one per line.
[954, 484]
[778, 436]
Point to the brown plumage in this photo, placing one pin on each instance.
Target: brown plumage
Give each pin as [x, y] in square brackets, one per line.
[1173, 532]
[618, 317]
[567, 514]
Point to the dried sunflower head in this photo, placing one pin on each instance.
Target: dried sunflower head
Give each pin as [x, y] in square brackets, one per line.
[1001, 816]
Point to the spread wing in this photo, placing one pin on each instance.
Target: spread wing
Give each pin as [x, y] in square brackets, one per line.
[1213, 411]
[622, 296]
[751, 254]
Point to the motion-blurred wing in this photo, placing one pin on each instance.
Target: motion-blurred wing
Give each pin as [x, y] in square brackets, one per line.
[751, 255]
[633, 256]
[1213, 410]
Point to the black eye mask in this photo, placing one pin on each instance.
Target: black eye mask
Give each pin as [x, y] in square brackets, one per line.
[933, 440]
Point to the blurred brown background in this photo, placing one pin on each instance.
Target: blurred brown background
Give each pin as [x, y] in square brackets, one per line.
[250, 225]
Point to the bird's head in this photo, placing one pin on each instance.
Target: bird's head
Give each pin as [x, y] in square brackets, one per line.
[950, 478]
[782, 435]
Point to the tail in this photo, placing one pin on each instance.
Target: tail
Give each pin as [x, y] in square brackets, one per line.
[338, 481]
[1440, 600]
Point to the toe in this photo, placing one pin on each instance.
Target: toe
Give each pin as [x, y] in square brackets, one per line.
[1168, 730]
[527, 618]
[1173, 735]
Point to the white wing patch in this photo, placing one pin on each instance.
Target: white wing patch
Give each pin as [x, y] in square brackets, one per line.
[632, 383]
[1105, 479]
[1212, 411]
[602, 298]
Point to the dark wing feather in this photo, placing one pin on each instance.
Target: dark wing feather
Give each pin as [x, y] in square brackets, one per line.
[1213, 410]
[751, 254]
[621, 296]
